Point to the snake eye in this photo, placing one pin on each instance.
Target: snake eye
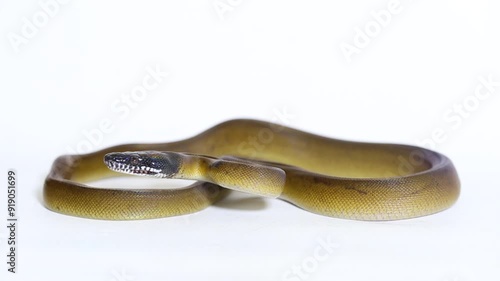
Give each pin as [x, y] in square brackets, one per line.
[155, 164]
[134, 161]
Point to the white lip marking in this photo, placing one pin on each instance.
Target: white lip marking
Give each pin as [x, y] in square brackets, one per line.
[135, 170]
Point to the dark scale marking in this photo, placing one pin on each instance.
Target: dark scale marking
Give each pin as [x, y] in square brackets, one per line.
[350, 187]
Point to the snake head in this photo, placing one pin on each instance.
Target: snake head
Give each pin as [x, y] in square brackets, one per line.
[144, 163]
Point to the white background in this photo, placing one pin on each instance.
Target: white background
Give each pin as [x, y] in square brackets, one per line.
[257, 60]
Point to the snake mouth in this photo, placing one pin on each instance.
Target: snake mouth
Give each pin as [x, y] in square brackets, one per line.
[133, 170]
[131, 163]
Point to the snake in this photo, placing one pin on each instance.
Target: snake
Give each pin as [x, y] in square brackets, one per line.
[326, 176]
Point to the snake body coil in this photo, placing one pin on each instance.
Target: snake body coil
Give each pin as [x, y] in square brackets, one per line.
[353, 180]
